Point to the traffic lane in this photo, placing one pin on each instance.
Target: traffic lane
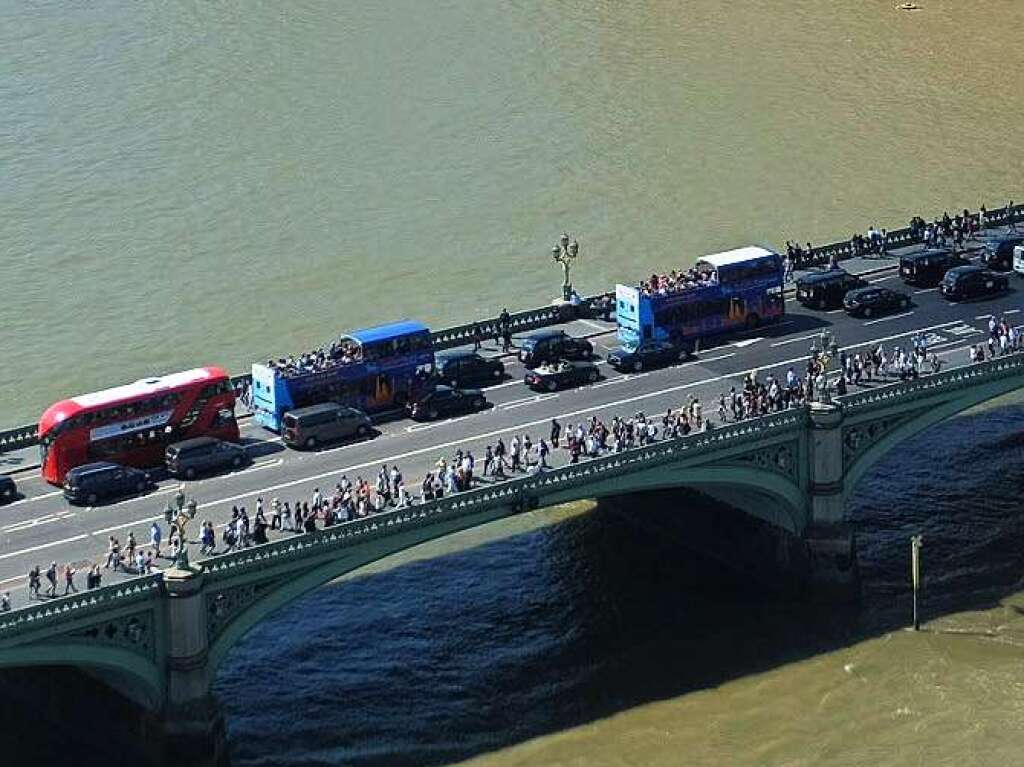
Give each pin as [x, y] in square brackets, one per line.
[83, 536]
[755, 354]
[749, 352]
[87, 545]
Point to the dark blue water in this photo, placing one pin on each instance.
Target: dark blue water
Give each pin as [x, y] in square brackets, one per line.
[481, 648]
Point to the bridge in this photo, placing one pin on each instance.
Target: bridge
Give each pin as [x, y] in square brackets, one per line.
[160, 639]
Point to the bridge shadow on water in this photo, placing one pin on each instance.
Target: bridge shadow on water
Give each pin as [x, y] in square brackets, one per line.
[543, 623]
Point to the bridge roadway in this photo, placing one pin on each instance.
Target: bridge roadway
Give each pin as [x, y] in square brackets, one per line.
[41, 526]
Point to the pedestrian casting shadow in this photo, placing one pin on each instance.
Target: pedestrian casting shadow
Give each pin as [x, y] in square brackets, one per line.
[573, 617]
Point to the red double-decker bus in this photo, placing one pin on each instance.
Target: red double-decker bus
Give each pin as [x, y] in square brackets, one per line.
[132, 424]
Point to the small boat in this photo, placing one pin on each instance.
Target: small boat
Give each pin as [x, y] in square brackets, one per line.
[908, 7]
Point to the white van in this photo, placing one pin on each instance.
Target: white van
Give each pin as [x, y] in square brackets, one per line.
[1018, 259]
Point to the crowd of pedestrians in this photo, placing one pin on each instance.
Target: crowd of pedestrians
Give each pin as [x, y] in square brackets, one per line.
[324, 358]
[677, 281]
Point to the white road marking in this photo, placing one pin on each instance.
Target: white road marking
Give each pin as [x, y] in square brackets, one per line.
[602, 328]
[983, 316]
[1012, 311]
[530, 401]
[434, 424]
[128, 525]
[835, 311]
[886, 319]
[795, 340]
[42, 546]
[926, 290]
[746, 342]
[715, 359]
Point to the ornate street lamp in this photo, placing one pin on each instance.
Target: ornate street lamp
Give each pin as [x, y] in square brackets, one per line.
[565, 252]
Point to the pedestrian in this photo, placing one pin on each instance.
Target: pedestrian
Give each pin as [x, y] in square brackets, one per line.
[275, 517]
[69, 579]
[51, 577]
[5, 602]
[33, 582]
[542, 452]
[155, 536]
[475, 332]
[556, 430]
[488, 460]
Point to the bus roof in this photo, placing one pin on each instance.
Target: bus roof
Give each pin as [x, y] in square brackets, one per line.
[67, 408]
[736, 256]
[390, 330]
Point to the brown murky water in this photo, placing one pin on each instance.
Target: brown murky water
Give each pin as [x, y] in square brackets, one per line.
[218, 182]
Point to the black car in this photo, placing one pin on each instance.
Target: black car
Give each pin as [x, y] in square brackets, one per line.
[101, 481]
[444, 400]
[467, 368]
[824, 290]
[998, 253]
[557, 375]
[202, 455]
[552, 345]
[927, 267]
[648, 354]
[865, 302]
[8, 492]
[966, 282]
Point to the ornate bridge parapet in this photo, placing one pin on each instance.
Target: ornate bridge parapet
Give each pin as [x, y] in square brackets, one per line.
[168, 633]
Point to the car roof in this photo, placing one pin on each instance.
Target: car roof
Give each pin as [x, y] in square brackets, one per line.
[959, 270]
[826, 276]
[544, 334]
[187, 444]
[866, 289]
[92, 468]
[927, 253]
[455, 355]
[323, 407]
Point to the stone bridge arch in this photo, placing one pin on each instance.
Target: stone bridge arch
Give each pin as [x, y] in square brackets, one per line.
[876, 422]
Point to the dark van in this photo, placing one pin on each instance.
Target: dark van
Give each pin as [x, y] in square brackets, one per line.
[201, 455]
[101, 481]
[310, 426]
[966, 282]
[998, 253]
[927, 268]
[824, 290]
[552, 345]
[460, 369]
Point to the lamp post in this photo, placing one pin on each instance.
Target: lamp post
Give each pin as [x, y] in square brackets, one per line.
[565, 252]
[915, 573]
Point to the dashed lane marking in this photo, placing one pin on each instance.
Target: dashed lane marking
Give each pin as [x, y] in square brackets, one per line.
[886, 319]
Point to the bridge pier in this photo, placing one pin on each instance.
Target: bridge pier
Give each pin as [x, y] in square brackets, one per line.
[191, 725]
[833, 573]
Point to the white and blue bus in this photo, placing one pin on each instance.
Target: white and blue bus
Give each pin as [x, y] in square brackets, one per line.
[373, 369]
[723, 292]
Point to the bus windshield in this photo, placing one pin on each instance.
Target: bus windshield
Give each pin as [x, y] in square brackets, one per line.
[722, 292]
[372, 369]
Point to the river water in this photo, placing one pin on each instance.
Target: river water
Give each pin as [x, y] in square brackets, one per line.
[218, 182]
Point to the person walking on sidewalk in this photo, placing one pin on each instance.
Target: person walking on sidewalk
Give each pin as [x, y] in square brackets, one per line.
[69, 579]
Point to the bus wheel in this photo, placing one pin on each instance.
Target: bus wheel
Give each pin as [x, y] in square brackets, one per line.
[753, 321]
[190, 473]
[638, 366]
[310, 443]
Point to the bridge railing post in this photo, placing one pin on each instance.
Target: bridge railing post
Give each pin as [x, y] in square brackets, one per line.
[830, 542]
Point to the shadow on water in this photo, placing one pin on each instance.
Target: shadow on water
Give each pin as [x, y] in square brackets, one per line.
[476, 649]
[573, 616]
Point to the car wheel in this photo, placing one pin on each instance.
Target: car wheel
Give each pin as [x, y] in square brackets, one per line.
[432, 414]
[496, 374]
[478, 403]
[91, 499]
[552, 385]
[140, 487]
[682, 355]
[638, 366]
[310, 443]
[866, 312]
[362, 430]
[904, 303]
[236, 461]
[592, 376]
[821, 303]
[190, 473]
[753, 321]
[453, 383]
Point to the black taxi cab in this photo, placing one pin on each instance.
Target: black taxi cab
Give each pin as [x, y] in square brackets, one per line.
[825, 290]
[928, 267]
